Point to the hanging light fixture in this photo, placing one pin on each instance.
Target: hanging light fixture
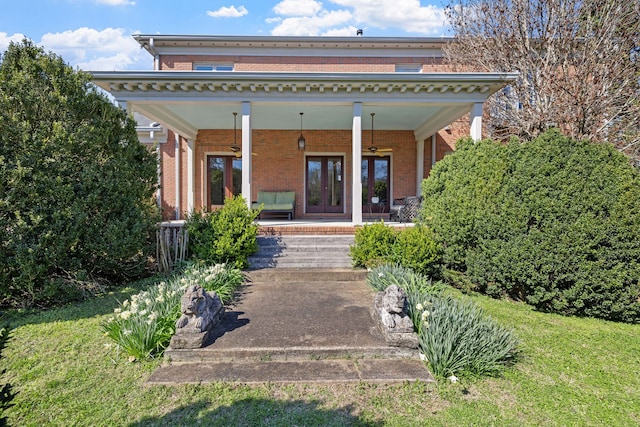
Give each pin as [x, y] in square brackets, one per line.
[235, 147]
[301, 141]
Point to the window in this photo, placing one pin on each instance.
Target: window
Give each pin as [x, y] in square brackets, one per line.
[213, 67]
[224, 178]
[408, 68]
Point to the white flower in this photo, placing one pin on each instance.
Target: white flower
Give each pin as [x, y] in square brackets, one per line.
[125, 303]
[117, 310]
[419, 307]
[147, 301]
[453, 379]
[143, 312]
[426, 324]
[125, 314]
[126, 332]
[423, 357]
[153, 316]
[380, 274]
[424, 315]
[160, 298]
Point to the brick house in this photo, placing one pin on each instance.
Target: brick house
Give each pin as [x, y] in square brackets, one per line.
[341, 121]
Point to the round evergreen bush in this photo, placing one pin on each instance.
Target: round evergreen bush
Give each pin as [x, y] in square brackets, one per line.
[76, 185]
[553, 221]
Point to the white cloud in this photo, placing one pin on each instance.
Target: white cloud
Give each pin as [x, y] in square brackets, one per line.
[228, 12]
[311, 25]
[93, 50]
[349, 31]
[407, 15]
[297, 7]
[311, 18]
[116, 2]
[5, 39]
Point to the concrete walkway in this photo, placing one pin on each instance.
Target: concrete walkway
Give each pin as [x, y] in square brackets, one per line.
[296, 325]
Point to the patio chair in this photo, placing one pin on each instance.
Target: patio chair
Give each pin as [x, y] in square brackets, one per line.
[405, 209]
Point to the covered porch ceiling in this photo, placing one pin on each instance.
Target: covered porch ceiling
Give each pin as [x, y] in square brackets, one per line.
[188, 101]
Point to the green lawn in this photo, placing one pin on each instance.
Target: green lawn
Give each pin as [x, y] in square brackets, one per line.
[575, 372]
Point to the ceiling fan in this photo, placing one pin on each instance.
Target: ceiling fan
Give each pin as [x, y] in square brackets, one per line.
[372, 149]
[237, 150]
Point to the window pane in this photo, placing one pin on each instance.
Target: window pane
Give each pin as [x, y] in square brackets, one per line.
[334, 182]
[314, 182]
[237, 176]
[380, 186]
[216, 180]
[365, 182]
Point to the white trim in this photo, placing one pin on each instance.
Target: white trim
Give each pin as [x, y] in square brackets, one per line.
[419, 164]
[178, 173]
[356, 173]
[246, 153]
[476, 121]
[190, 175]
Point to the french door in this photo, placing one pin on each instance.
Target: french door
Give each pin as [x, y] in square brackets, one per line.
[325, 186]
[224, 178]
[375, 183]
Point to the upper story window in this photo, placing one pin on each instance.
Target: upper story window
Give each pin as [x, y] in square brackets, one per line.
[213, 67]
[408, 68]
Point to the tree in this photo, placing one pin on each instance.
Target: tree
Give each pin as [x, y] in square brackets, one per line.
[578, 62]
[76, 186]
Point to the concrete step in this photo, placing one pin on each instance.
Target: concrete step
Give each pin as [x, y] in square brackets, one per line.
[257, 354]
[302, 251]
[326, 371]
[307, 275]
[299, 262]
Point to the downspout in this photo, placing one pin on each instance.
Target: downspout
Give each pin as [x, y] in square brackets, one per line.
[156, 57]
[433, 150]
[177, 157]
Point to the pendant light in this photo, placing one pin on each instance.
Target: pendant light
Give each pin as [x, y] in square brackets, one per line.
[301, 141]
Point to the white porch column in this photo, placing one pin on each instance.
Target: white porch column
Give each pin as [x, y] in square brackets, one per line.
[178, 170]
[476, 121]
[191, 162]
[419, 165]
[246, 152]
[356, 176]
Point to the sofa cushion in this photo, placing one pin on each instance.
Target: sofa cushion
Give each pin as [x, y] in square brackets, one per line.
[266, 197]
[285, 198]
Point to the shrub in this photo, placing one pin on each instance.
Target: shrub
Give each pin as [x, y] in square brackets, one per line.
[76, 185]
[413, 247]
[416, 248]
[373, 245]
[457, 338]
[143, 325]
[227, 235]
[385, 275]
[554, 221]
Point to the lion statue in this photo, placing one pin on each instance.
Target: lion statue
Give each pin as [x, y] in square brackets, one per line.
[200, 309]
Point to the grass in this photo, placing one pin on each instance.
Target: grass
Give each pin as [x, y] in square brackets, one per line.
[575, 372]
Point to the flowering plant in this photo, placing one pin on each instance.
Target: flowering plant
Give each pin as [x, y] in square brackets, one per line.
[143, 325]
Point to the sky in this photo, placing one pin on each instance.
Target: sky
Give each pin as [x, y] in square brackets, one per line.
[95, 35]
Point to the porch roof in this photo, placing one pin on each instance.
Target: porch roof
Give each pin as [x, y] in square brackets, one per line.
[186, 101]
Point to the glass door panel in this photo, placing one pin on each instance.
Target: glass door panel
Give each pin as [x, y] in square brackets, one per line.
[216, 181]
[325, 189]
[375, 183]
[314, 185]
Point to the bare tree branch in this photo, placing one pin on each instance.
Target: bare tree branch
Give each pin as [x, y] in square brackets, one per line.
[579, 65]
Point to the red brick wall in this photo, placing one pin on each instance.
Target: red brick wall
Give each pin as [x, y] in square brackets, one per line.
[302, 63]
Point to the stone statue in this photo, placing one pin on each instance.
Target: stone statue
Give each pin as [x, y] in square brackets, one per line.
[390, 312]
[201, 312]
